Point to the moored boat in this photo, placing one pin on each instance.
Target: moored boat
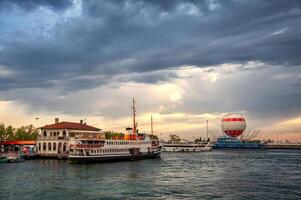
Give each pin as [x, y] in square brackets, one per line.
[11, 157]
[85, 150]
[235, 143]
[132, 146]
[186, 147]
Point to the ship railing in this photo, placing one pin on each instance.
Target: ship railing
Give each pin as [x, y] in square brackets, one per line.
[86, 146]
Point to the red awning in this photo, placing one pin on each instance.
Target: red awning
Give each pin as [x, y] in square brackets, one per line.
[19, 142]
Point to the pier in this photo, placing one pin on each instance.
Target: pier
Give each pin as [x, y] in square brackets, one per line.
[283, 146]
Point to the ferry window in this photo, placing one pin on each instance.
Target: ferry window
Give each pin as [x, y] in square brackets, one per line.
[49, 146]
[54, 146]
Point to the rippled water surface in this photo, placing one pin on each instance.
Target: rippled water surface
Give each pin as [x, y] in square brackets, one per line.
[267, 174]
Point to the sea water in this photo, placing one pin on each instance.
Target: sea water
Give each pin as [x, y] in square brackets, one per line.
[220, 174]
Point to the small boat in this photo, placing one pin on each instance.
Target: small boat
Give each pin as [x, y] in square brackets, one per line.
[11, 157]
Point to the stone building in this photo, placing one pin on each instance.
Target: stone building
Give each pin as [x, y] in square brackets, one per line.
[54, 139]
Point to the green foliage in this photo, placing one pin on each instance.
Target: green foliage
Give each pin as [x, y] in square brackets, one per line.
[174, 138]
[198, 140]
[23, 133]
[202, 140]
[153, 137]
[110, 134]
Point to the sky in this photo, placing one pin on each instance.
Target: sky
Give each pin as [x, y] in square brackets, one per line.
[184, 62]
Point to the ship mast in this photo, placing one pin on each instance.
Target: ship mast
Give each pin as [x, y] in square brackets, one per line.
[152, 125]
[134, 118]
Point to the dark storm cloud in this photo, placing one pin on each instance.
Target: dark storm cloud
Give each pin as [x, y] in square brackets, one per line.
[33, 4]
[111, 38]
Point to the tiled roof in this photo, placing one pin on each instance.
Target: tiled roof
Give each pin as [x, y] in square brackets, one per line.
[70, 125]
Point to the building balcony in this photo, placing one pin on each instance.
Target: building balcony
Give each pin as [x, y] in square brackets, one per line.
[52, 137]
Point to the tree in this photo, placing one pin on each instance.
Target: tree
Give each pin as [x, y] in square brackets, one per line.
[10, 133]
[198, 139]
[153, 137]
[2, 132]
[111, 134]
[26, 133]
[174, 138]
[23, 133]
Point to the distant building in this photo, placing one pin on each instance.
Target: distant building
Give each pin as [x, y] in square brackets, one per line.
[54, 139]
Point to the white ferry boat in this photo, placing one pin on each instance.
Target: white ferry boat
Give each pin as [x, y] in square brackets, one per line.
[132, 146]
[186, 147]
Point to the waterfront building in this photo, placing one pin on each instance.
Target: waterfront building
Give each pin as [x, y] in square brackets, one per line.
[54, 139]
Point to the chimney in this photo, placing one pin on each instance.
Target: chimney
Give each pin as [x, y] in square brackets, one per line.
[81, 121]
[56, 120]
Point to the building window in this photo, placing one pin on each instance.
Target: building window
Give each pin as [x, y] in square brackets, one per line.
[49, 146]
[44, 146]
[64, 133]
[65, 147]
[54, 147]
[45, 134]
[39, 146]
[59, 148]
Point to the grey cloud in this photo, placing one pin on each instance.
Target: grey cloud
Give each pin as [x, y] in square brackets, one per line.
[33, 4]
[112, 38]
[260, 94]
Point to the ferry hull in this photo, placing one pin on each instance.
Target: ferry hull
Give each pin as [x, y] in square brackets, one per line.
[113, 158]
